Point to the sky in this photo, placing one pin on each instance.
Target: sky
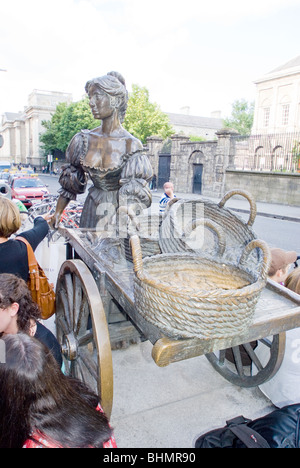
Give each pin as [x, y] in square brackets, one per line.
[195, 53]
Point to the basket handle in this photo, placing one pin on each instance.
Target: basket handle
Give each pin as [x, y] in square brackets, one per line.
[257, 243]
[245, 194]
[125, 210]
[137, 256]
[211, 225]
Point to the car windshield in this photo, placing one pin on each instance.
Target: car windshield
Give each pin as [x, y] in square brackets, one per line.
[4, 175]
[28, 183]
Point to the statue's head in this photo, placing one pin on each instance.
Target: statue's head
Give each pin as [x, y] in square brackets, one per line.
[113, 84]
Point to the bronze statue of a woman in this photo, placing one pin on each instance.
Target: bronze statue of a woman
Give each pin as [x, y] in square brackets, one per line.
[109, 155]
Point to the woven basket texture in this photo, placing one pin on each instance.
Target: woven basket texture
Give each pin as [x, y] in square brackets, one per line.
[187, 296]
[222, 234]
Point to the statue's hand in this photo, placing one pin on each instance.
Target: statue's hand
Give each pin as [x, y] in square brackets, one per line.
[55, 220]
[62, 203]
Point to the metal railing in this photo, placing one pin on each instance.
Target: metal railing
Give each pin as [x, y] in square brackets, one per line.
[268, 153]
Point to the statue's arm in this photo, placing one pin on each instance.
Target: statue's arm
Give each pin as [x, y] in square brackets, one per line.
[73, 179]
[134, 181]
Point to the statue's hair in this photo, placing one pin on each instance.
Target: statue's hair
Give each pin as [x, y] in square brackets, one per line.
[113, 84]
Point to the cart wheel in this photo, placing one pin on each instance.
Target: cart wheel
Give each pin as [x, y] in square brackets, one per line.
[250, 366]
[83, 332]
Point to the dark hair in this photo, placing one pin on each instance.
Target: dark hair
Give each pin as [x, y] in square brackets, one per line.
[36, 396]
[14, 289]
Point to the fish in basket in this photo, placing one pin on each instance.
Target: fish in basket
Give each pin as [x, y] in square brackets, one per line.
[189, 296]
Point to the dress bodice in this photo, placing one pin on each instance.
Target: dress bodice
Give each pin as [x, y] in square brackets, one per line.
[110, 163]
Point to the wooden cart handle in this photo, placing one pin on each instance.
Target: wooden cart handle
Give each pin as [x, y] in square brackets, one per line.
[211, 225]
[245, 194]
[266, 263]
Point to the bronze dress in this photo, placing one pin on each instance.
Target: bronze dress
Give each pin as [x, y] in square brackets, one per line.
[118, 178]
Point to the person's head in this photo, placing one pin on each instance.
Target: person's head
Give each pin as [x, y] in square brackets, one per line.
[36, 395]
[17, 309]
[10, 220]
[110, 88]
[168, 188]
[281, 260]
[292, 282]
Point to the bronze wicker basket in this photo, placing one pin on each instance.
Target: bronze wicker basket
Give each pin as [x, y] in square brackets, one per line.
[183, 216]
[190, 296]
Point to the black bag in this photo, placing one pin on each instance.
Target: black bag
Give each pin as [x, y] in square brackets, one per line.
[279, 429]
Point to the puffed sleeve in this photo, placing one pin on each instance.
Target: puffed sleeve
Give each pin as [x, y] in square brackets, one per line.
[73, 179]
[135, 179]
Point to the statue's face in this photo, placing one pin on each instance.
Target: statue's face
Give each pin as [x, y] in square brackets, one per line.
[100, 103]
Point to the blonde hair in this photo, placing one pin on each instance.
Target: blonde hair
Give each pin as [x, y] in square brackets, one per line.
[293, 281]
[10, 219]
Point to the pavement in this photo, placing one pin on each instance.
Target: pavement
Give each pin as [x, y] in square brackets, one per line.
[169, 407]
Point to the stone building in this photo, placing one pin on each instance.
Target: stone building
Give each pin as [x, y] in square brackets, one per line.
[208, 168]
[192, 125]
[277, 102]
[21, 131]
[193, 167]
[274, 143]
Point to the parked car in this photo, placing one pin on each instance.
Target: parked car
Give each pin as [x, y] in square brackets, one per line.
[29, 190]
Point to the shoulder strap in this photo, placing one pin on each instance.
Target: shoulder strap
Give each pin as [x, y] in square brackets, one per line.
[32, 263]
[248, 436]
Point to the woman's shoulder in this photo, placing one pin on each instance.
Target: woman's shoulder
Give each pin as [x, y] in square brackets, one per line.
[135, 143]
[77, 147]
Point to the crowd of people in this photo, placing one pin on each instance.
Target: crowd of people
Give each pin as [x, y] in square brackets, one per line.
[40, 407]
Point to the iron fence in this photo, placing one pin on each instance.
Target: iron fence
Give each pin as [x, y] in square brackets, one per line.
[268, 153]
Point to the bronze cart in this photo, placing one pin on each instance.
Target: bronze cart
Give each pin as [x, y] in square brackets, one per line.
[96, 311]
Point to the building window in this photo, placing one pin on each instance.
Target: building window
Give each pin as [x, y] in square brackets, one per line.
[266, 117]
[285, 114]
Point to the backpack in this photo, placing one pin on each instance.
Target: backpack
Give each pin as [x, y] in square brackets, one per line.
[42, 292]
[278, 429]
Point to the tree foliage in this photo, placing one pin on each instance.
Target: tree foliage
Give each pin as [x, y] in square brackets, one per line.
[142, 119]
[65, 123]
[241, 117]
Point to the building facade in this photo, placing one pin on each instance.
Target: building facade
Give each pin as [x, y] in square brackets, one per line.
[21, 131]
[277, 102]
[192, 125]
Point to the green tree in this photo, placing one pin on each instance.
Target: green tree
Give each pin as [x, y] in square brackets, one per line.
[49, 137]
[65, 123]
[143, 118]
[241, 118]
